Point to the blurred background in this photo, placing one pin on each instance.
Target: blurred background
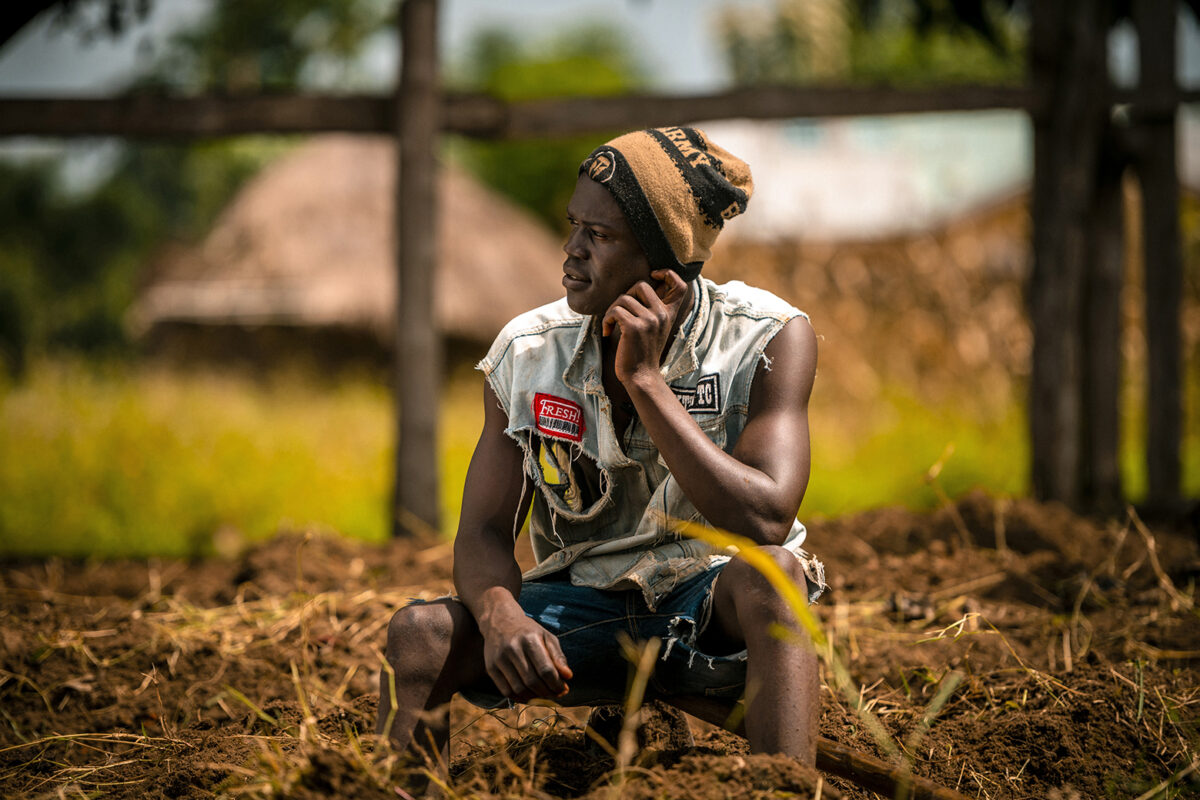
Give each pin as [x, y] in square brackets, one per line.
[195, 337]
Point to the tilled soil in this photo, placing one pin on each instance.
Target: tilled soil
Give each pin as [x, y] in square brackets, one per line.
[1005, 648]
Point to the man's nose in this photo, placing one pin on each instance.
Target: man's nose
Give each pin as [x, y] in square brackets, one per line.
[574, 244]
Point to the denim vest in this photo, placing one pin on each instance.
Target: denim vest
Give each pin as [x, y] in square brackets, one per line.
[603, 505]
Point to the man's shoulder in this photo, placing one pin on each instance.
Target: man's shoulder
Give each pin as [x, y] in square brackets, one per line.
[736, 297]
[552, 319]
[552, 315]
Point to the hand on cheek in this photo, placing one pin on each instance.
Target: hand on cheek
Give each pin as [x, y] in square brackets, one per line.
[645, 317]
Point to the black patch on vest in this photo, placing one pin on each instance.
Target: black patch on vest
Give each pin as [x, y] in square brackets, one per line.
[704, 398]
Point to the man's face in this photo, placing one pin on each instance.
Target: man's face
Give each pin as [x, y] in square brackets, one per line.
[604, 258]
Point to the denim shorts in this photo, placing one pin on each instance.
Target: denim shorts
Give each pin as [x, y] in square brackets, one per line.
[587, 623]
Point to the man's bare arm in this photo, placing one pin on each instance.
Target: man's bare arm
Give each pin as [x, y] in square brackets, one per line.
[522, 658]
[755, 490]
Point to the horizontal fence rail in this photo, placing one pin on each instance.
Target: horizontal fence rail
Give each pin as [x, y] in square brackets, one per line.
[474, 115]
[484, 117]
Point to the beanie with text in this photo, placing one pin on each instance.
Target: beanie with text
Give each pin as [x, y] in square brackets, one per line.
[676, 188]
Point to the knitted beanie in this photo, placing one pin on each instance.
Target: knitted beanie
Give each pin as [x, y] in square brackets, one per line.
[676, 188]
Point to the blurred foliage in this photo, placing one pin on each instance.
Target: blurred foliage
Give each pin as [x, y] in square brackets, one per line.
[244, 45]
[273, 46]
[66, 271]
[976, 16]
[95, 18]
[894, 42]
[70, 262]
[540, 174]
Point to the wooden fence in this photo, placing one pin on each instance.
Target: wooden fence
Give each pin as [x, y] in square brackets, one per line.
[1086, 134]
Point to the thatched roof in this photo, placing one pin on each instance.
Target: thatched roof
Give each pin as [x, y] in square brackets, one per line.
[309, 242]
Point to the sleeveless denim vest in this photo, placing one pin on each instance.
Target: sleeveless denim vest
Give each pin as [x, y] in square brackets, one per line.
[610, 524]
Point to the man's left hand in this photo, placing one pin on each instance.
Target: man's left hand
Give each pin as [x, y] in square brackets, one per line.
[646, 317]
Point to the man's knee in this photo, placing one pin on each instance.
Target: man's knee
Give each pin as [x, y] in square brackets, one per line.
[423, 632]
[754, 592]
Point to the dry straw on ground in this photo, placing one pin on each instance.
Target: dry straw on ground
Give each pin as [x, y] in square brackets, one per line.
[1047, 658]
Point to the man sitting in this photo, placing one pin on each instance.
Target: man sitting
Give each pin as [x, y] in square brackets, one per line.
[647, 396]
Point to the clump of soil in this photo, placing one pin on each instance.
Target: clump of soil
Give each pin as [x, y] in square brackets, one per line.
[1006, 649]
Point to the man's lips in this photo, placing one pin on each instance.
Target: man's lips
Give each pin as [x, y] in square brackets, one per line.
[572, 279]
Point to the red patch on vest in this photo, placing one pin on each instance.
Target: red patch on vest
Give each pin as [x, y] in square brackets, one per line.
[557, 417]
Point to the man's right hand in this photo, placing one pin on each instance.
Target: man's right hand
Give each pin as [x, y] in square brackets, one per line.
[521, 657]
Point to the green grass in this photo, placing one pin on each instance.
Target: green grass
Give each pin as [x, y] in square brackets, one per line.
[879, 454]
[111, 460]
[114, 461]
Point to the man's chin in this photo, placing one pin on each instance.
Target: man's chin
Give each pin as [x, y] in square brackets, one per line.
[578, 303]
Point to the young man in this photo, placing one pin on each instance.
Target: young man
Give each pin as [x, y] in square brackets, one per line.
[649, 395]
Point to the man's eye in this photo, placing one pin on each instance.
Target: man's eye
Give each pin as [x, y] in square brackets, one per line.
[598, 235]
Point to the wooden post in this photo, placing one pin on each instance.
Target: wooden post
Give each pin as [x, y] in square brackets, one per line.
[418, 348]
[1101, 488]
[1155, 22]
[1067, 53]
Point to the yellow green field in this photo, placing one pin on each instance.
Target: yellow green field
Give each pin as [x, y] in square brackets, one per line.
[124, 460]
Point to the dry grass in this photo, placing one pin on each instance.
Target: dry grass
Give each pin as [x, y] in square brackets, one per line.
[255, 679]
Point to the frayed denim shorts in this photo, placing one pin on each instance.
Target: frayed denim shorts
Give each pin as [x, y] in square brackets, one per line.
[588, 623]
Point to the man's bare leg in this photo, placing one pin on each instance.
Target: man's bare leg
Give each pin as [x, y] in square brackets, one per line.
[434, 649]
[782, 675]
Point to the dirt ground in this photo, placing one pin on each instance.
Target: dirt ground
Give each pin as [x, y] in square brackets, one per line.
[1008, 649]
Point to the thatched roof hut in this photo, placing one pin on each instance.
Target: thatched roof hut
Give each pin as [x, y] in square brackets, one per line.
[309, 243]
